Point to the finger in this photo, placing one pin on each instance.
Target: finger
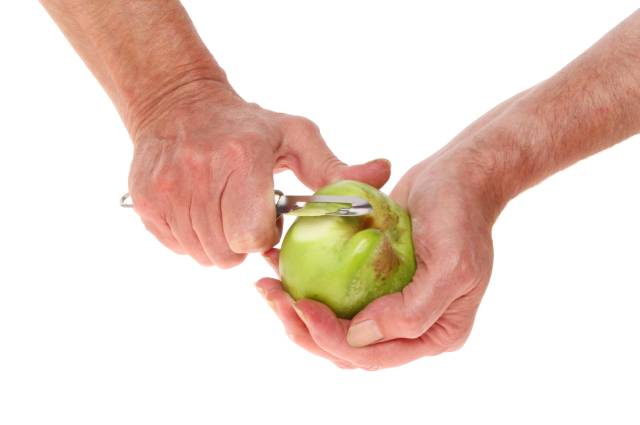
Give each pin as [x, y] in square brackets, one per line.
[406, 314]
[308, 156]
[162, 232]
[207, 225]
[375, 172]
[272, 257]
[330, 334]
[280, 226]
[182, 228]
[454, 326]
[282, 305]
[248, 211]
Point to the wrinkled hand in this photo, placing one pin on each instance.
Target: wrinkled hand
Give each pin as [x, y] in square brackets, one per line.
[434, 313]
[202, 172]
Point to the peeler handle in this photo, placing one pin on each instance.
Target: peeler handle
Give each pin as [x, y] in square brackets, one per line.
[278, 197]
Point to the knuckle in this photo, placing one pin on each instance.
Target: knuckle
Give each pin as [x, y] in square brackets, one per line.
[342, 364]
[192, 160]
[188, 162]
[238, 152]
[457, 343]
[449, 337]
[303, 127]
[461, 269]
[166, 183]
[458, 337]
[202, 260]
[466, 271]
[148, 209]
[145, 209]
[371, 367]
[254, 105]
[177, 249]
[411, 323]
[250, 242]
[308, 127]
[150, 227]
[148, 190]
[148, 193]
[228, 262]
[254, 237]
[412, 318]
[331, 164]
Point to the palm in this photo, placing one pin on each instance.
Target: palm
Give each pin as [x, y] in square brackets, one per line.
[435, 312]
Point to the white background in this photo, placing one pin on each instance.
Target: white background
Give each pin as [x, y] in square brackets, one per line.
[99, 324]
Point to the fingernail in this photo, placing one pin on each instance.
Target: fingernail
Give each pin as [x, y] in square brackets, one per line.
[380, 159]
[363, 333]
[300, 314]
[272, 304]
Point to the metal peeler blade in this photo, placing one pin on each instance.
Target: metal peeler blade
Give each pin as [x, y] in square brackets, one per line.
[343, 206]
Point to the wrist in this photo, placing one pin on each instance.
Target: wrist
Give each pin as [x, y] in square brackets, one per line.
[497, 162]
[143, 52]
[175, 91]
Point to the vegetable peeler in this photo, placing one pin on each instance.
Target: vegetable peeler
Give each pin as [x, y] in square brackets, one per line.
[307, 206]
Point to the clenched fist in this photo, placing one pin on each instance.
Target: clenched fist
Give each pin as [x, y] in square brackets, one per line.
[202, 172]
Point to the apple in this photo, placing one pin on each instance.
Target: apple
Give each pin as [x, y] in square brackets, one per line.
[347, 262]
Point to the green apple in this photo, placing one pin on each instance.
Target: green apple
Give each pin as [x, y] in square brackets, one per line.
[347, 262]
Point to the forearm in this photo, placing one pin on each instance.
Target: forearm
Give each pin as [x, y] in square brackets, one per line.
[139, 50]
[588, 106]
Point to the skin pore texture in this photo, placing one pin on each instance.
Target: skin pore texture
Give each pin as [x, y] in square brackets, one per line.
[201, 153]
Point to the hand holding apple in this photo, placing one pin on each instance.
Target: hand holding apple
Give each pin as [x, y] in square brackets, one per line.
[432, 314]
[454, 198]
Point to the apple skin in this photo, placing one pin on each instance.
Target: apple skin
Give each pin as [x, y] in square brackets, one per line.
[347, 262]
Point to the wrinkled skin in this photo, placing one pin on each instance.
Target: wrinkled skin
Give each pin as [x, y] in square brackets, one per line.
[202, 173]
[435, 312]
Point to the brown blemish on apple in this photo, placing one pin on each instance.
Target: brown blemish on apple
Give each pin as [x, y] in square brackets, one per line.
[366, 222]
[382, 217]
[386, 261]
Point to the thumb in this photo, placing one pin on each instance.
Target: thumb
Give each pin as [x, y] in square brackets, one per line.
[406, 314]
[375, 173]
[309, 157]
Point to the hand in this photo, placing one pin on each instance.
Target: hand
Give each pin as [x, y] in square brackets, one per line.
[434, 313]
[202, 172]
